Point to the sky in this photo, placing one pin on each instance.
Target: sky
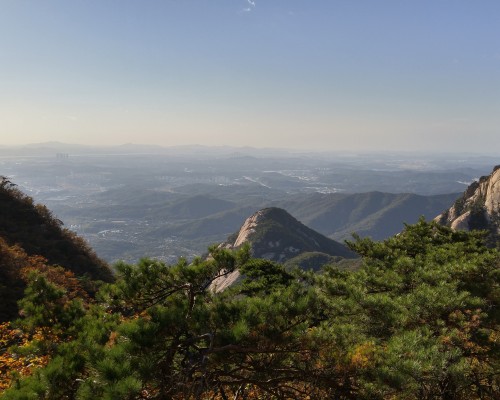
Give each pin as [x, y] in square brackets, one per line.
[333, 75]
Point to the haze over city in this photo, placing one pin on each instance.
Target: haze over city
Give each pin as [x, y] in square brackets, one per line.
[329, 75]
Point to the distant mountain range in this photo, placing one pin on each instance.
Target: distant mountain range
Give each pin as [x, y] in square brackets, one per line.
[374, 214]
[129, 201]
[336, 215]
[197, 220]
[50, 148]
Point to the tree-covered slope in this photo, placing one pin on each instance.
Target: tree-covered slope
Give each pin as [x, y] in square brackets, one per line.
[374, 214]
[32, 227]
[31, 236]
[315, 261]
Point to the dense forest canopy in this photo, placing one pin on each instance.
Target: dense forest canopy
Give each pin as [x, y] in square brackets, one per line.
[419, 319]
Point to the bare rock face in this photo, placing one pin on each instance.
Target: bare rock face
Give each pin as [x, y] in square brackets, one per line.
[461, 222]
[491, 189]
[247, 229]
[222, 283]
[478, 208]
[275, 235]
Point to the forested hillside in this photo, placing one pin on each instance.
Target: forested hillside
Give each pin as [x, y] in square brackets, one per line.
[376, 215]
[31, 238]
[419, 320]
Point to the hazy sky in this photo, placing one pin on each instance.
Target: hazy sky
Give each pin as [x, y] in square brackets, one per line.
[311, 74]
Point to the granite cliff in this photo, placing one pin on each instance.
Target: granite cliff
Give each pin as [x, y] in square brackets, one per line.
[275, 235]
[478, 207]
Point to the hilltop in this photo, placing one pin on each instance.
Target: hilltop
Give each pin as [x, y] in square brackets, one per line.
[274, 234]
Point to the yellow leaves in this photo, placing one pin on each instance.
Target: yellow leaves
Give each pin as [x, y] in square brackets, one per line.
[13, 363]
[363, 354]
[494, 337]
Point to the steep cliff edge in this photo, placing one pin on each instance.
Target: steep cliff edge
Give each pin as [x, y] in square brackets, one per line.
[478, 207]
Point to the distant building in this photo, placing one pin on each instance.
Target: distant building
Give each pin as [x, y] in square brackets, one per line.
[62, 156]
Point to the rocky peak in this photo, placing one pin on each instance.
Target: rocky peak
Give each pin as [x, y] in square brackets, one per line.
[276, 235]
[478, 208]
[248, 228]
[273, 234]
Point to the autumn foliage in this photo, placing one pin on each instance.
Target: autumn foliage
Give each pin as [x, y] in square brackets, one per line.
[32, 228]
[14, 361]
[419, 320]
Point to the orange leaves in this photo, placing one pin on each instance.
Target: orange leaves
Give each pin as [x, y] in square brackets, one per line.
[467, 324]
[15, 266]
[494, 337]
[363, 355]
[57, 275]
[14, 363]
[112, 339]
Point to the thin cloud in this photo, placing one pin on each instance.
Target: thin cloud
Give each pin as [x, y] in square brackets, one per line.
[251, 6]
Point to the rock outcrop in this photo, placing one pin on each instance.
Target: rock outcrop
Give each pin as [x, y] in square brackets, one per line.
[275, 235]
[478, 208]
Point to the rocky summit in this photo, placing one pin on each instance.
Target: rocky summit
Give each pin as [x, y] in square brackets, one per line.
[274, 234]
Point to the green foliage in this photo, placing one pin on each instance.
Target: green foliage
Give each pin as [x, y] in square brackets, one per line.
[316, 261]
[419, 319]
[263, 276]
[46, 305]
[427, 300]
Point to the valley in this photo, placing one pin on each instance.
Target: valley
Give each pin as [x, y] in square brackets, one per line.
[131, 201]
